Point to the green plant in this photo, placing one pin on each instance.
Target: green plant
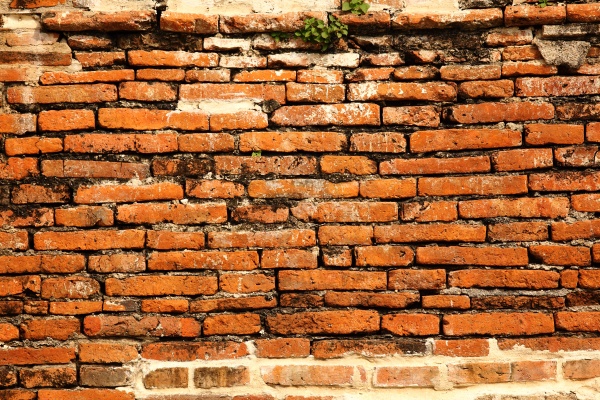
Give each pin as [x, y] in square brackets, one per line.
[279, 36]
[317, 31]
[358, 7]
[544, 3]
[256, 153]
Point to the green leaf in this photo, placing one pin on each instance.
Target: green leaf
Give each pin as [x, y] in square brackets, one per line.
[346, 6]
[256, 153]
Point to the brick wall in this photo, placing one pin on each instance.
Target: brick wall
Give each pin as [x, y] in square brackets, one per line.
[191, 210]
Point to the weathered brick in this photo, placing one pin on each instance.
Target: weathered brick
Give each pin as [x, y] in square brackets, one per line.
[48, 377]
[160, 58]
[330, 114]
[95, 93]
[384, 256]
[346, 211]
[458, 255]
[57, 328]
[370, 299]
[103, 325]
[145, 119]
[431, 91]
[498, 112]
[429, 233]
[533, 207]
[519, 279]
[331, 280]
[260, 213]
[69, 288]
[107, 352]
[497, 323]
[463, 19]
[290, 258]
[282, 348]
[486, 89]
[241, 260]
[118, 143]
[482, 372]
[473, 185]
[231, 324]
[525, 15]
[283, 165]
[301, 189]
[527, 68]
[189, 23]
[561, 255]
[412, 115]
[311, 375]
[518, 232]
[324, 322]
[417, 279]
[58, 77]
[181, 214]
[89, 240]
[405, 376]
[422, 166]
[101, 376]
[411, 324]
[339, 348]
[292, 141]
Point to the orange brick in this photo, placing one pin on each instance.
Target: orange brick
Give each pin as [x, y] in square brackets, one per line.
[413, 116]
[514, 279]
[128, 193]
[238, 324]
[95, 93]
[89, 240]
[301, 189]
[282, 348]
[534, 207]
[417, 279]
[406, 376]
[144, 91]
[458, 255]
[324, 322]
[473, 185]
[544, 134]
[384, 256]
[292, 141]
[429, 233]
[331, 280]
[181, 214]
[394, 91]
[345, 235]
[519, 160]
[146, 119]
[526, 15]
[356, 165]
[461, 348]
[411, 324]
[167, 240]
[32, 145]
[498, 323]
[329, 114]
[160, 58]
[498, 112]
[290, 258]
[422, 166]
[346, 211]
[246, 283]
[217, 260]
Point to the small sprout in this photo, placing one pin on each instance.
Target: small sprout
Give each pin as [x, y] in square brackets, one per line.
[256, 153]
[279, 36]
[317, 31]
[357, 7]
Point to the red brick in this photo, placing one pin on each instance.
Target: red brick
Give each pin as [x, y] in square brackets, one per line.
[156, 285]
[232, 304]
[326, 349]
[147, 91]
[100, 59]
[281, 238]
[406, 376]
[498, 112]
[565, 181]
[464, 19]
[428, 116]
[189, 23]
[48, 376]
[283, 165]
[209, 91]
[561, 255]
[17, 124]
[89, 240]
[145, 119]
[84, 216]
[569, 278]
[281, 75]
[128, 193]
[234, 324]
[422, 166]
[153, 213]
[498, 323]
[96, 93]
[58, 328]
[330, 114]
[527, 68]
[518, 231]
[551, 344]
[415, 72]
[167, 240]
[8, 333]
[370, 299]
[345, 235]
[533, 207]
[32, 217]
[324, 322]
[94, 169]
[315, 93]
[119, 262]
[35, 3]
[580, 321]
[119, 143]
[470, 72]
[239, 120]
[544, 134]
[431, 91]
[213, 189]
[218, 260]
[417, 279]
[208, 75]
[586, 202]
[369, 74]
[458, 255]
[166, 75]
[557, 86]
[473, 185]
[576, 156]
[14, 240]
[312, 375]
[25, 194]
[582, 12]
[346, 211]
[70, 288]
[519, 160]
[331, 280]
[84, 394]
[32, 145]
[46, 263]
[429, 211]
[165, 306]
[429, 233]
[190, 351]
[28, 355]
[356, 165]
[292, 141]
[290, 258]
[107, 352]
[388, 188]
[260, 213]
[463, 139]
[160, 58]
[384, 256]
[513, 279]
[56, 77]
[18, 285]
[411, 324]
[484, 89]
[320, 76]
[75, 307]
[18, 168]
[99, 21]
[509, 37]
[527, 15]
[301, 189]
[563, 231]
[282, 348]
[103, 325]
[462, 348]
[66, 120]
[246, 283]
